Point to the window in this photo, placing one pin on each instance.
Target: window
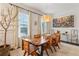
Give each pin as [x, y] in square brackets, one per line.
[43, 27]
[23, 23]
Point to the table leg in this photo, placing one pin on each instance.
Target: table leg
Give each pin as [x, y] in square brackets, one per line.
[41, 50]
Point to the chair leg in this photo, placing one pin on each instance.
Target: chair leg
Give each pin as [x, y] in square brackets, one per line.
[46, 52]
[58, 47]
[51, 49]
[24, 53]
[54, 48]
[38, 54]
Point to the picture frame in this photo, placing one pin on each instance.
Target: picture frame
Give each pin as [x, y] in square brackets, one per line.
[65, 21]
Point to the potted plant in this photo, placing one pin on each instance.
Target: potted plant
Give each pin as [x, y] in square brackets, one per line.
[5, 23]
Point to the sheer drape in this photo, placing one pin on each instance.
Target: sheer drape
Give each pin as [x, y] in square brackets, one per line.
[12, 35]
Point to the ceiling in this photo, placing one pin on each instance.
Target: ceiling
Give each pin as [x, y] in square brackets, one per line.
[53, 8]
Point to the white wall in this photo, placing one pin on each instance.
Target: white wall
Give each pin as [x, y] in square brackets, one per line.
[35, 19]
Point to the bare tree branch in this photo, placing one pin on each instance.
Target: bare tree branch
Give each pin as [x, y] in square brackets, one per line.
[2, 25]
[5, 19]
[10, 14]
[2, 20]
[9, 17]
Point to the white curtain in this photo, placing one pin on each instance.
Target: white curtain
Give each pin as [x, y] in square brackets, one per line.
[12, 35]
[16, 30]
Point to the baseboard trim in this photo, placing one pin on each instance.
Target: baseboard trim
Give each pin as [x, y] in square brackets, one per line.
[70, 43]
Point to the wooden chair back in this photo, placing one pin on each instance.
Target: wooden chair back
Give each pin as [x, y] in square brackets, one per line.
[56, 39]
[58, 35]
[37, 38]
[49, 38]
[29, 49]
[26, 46]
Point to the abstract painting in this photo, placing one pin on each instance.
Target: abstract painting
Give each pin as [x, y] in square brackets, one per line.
[65, 21]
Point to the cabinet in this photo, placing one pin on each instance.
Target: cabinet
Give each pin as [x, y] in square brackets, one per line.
[74, 36]
[71, 36]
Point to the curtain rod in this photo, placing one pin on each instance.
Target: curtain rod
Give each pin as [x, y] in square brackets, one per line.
[25, 9]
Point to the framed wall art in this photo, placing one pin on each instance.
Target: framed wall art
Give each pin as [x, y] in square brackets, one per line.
[65, 21]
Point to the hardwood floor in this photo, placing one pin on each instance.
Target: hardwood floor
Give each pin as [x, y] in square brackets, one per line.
[65, 50]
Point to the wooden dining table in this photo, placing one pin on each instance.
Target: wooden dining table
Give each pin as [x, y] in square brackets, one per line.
[41, 43]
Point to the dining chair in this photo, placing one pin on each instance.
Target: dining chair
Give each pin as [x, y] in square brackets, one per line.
[59, 36]
[29, 49]
[49, 38]
[37, 39]
[56, 40]
[48, 45]
[37, 36]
